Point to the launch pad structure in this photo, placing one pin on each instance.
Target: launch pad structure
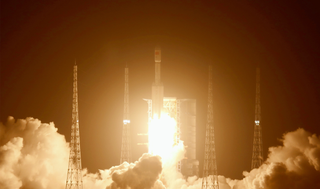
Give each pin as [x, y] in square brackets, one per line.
[184, 113]
[126, 138]
[210, 171]
[74, 174]
[257, 152]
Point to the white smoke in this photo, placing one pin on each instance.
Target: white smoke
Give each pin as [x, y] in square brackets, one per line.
[33, 155]
[293, 165]
[141, 174]
[98, 180]
[10, 154]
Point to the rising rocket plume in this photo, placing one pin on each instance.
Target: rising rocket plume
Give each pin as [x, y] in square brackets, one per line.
[34, 155]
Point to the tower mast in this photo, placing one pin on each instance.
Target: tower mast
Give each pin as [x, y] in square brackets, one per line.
[257, 153]
[126, 144]
[74, 175]
[210, 172]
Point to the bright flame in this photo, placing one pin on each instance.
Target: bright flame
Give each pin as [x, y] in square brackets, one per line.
[162, 134]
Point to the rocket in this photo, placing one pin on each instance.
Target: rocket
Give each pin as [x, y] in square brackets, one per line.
[157, 86]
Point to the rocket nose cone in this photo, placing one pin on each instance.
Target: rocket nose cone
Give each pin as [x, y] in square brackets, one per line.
[157, 54]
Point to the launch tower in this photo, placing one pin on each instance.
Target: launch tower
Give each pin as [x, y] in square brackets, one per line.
[184, 112]
[257, 155]
[126, 144]
[74, 175]
[210, 172]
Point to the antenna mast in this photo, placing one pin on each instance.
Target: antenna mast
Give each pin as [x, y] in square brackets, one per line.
[126, 144]
[74, 175]
[257, 155]
[210, 172]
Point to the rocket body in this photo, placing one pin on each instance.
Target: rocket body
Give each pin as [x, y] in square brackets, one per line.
[157, 86]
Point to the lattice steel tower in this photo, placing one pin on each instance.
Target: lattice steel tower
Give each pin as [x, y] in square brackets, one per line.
[126, 144]
[257, 155]
[74, 175]
[210, 172]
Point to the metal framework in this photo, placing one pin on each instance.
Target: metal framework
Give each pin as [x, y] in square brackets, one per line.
[178, 136]
[210, 172]
[126, 140]
[74, 175]
[149, 101]
[170, 106]
[257, 153]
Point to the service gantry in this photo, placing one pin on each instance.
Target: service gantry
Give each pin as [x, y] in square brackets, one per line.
[210, 172]
[126, 144]
[257, 153]
[74, 175]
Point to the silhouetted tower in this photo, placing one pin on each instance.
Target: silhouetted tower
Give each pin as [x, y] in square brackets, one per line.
[126, 144]
[257, 155]
[210, 172]
[74, 175]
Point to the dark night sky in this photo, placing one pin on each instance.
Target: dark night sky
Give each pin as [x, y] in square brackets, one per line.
[40, 41]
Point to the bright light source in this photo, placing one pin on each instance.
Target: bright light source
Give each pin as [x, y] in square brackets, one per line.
[126, 121]
[257, 122]
[161, 135]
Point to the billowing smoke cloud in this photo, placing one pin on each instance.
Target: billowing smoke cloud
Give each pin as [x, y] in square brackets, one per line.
[98, 180]
[293, 165]
[142, 174]
[33, 155]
